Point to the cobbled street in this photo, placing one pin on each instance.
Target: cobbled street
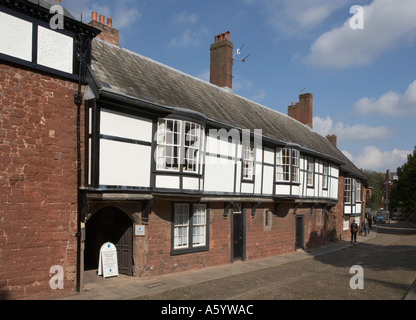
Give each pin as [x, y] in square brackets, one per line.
[388, 261]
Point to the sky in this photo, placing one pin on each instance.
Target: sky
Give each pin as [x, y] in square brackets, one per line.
[357, 58]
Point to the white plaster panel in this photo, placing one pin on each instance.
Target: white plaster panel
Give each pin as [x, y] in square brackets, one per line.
[15, 37]
[124, 164]
[55, 50]
[190, 183]
[268, 180]
[269, 156]
[170, 182]
[246, 188]
[219, 177]
[126, 126]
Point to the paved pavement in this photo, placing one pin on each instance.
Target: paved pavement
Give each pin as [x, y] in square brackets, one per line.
[124, 287]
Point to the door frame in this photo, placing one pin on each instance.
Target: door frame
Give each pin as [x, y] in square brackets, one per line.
[242, 212]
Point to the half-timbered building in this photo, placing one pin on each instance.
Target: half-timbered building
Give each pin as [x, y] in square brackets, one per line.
[177, 172]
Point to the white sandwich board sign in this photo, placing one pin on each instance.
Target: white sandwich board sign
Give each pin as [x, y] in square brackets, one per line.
[108, 264]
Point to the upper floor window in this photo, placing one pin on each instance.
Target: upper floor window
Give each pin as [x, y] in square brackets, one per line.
[295, 165]
[287, 165]
[248, 160]
[179, 145]
[283, 165]
[310, 171]
[358, 191]
[325, 175]
[347, 190]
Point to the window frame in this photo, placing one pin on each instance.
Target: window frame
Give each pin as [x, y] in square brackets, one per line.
[325, 175]
[358, 192]
[283, 165]
[162, 144]
[192, 226]
[247, 149]
[198, 139]
[295, 166]
[186, 145]
[347, 191]
[310, 174]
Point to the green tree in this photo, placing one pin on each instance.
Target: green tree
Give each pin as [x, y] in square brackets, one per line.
[403, 193]
[376, 181]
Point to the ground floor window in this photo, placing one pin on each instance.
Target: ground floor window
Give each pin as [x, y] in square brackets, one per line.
[190, 228]
[346, 224]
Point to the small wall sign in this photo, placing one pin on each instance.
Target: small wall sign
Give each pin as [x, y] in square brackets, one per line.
[139, 230]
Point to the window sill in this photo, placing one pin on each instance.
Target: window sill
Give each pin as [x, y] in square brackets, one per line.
[175, 252]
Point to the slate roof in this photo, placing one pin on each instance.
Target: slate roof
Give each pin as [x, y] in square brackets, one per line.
[129, 74]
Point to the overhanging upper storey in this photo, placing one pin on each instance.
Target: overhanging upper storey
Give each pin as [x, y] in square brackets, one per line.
[34, 36]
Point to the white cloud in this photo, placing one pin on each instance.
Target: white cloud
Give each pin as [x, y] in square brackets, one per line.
[260, 95]
[185, 18]
[190, 38]
[295, 18]
[387, 25]
[372, 158]
[347, 132]
[125, 17]
[390, 103]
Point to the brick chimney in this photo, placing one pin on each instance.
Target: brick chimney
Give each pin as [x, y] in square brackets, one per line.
[332, 138]
[221, 67]
[302, 110]
[108, 33]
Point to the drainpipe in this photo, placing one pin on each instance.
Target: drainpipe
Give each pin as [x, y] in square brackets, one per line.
[82, 43]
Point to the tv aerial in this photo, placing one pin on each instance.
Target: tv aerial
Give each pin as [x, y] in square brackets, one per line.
[238, 52]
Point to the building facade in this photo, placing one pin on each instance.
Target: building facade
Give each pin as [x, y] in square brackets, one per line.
[178, 173]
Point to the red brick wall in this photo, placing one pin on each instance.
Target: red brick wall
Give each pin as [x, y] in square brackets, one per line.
[157, 259]
[260, 243]
[37, 182]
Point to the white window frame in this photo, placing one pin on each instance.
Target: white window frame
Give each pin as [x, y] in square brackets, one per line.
[347, 190]
[283, 165]
[346, 223]
[190, 227]
[181, 226]
[179, 146]
[353, 190]
[295, 165]
[199, 225]
[325, 174]
[358, 191]
[310, 171]
[248, 160]
[168, 144]
[193, 146]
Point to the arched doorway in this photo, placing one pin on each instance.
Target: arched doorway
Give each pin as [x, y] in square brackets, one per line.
[109, 225]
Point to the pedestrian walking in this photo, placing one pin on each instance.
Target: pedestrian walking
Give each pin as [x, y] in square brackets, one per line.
[366, 227]
[354, 230]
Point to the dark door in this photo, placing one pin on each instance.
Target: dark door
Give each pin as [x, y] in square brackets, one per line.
[238, 236]
[299, 232]
[110, 225]
[123, 240]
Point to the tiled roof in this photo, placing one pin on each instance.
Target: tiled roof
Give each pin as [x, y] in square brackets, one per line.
[129, 74]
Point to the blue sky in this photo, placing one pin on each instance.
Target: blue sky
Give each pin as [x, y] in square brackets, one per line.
[363, 80]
